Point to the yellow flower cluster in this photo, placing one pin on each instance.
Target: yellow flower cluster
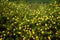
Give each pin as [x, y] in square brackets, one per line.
[40, 22]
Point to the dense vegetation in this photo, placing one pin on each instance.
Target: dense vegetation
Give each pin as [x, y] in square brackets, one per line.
[20, 20]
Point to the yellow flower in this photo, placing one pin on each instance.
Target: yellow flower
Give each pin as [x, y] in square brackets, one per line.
[13, 18]
[41, 29]
[15, 22]
[45, 28]
[19, 32]
[4, 34]
[46, 17]
[0, 38]
[49, 37]
[58, 17]
[14, 34]
[56, 32]
[12, 24]
[32, 20]
[7, 32]
[49, 9]
[59, 12]
[37, 24]
[20, 28]
[29, 31]
[3, 31]
[17, 18]
[8, 18]
[37, 38]
[54, 22]
[36, 16]
[50, 32]
[26, 30]
[28, 20]
[24, 38]
[52, 16]
[33, 32]
[4, 25]
[45, 24]
[42, 32]
[42, 18]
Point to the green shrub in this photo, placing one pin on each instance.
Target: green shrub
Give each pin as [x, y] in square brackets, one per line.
[29, 21]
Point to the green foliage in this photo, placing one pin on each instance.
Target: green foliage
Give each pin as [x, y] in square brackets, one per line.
[25, 21]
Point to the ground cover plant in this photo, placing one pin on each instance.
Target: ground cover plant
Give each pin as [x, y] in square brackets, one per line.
[24, 21]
